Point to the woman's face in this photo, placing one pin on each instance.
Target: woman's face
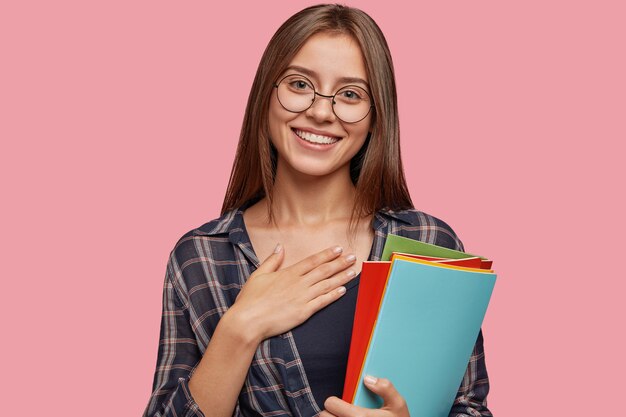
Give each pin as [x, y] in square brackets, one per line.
[315, 142]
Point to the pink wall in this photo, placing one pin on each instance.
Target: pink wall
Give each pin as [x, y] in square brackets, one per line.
[119, 122]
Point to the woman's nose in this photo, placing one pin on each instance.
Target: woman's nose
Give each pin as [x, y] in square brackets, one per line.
[322, 108]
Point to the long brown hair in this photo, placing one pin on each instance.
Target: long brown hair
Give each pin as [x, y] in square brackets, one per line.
[376, 170]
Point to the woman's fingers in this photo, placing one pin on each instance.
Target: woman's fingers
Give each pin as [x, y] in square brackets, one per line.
[323, 300]
[272, 262]
[329, 284]
[310, 263]
[338, 407]
[394, 403]
[385, 389]
[331, 268]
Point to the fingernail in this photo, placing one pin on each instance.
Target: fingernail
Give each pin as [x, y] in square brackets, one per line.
[350, 258]
[350, 273]
[278, 248]
[337, 249]
[341, 290]
[370, 379]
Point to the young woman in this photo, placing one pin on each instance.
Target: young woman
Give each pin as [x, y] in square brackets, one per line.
[317, 184]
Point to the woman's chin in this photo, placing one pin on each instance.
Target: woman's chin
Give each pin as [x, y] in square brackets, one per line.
[312, 170]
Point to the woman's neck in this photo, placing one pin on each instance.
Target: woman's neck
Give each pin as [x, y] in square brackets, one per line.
[303, 200]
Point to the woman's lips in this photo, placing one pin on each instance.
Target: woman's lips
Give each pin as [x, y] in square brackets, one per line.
[315, 138]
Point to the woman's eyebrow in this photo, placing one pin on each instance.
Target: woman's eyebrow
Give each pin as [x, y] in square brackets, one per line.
[342, 80]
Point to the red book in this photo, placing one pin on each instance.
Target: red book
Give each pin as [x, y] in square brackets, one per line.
[371, 287]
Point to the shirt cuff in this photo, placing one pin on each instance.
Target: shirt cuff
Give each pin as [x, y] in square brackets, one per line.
[180, 403]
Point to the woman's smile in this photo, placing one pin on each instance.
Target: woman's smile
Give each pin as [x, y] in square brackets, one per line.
[315, 137]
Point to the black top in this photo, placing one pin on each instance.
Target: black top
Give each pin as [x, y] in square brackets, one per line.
[323, 342]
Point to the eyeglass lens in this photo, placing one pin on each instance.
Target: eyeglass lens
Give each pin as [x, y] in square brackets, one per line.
[351, 103]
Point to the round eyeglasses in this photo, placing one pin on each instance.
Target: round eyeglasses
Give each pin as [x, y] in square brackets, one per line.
[296, 93]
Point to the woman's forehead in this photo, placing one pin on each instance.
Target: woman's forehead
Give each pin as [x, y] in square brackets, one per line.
[331, 58]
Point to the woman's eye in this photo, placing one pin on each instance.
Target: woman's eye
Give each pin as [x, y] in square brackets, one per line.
[350, 94]
[300, 85]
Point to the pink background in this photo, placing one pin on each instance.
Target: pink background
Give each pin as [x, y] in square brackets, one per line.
[119, 122]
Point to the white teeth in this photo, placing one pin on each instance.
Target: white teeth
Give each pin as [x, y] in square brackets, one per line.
[313, 138]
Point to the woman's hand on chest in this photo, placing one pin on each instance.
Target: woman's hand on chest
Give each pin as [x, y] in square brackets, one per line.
[274, 301]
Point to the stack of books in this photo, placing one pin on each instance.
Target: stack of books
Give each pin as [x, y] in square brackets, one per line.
[418, 315]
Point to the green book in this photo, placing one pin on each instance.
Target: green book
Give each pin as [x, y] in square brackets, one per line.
[401, 244]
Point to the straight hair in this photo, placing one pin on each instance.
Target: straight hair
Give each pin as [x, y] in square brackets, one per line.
[376, 170]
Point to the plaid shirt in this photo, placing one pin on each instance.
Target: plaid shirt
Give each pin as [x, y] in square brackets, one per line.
[205, 272]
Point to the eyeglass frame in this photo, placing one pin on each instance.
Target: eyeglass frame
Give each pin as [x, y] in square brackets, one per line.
[333, 102]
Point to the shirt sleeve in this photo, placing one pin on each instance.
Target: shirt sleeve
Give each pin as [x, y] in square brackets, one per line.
[178, 354]
[471, 398]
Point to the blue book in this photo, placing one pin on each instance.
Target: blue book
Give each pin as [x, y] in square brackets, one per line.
[427, 325]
